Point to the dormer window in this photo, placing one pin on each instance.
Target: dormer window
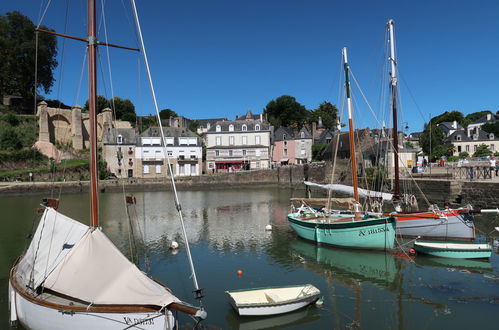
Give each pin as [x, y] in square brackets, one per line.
[458, 137]
[491, 136]
[119, 139]
[302, 135]
[244, 128]
[257, 127]
[284, 136]
[218, 128]
[231, 128]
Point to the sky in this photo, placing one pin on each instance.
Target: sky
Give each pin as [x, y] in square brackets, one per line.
[220, 58]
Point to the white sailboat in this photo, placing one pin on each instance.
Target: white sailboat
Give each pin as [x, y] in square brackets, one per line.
[73, 277]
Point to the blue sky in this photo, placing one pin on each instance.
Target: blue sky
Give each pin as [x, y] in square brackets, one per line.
[220, 58]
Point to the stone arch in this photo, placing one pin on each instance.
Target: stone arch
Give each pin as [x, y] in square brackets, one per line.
[59, 128]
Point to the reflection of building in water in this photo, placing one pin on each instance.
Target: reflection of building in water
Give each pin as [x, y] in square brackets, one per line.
[235, 222]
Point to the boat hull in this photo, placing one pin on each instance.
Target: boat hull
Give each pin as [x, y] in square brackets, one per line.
[454, 250]
[377, 233]
[436, 225]
[278, 305]
[37, 316]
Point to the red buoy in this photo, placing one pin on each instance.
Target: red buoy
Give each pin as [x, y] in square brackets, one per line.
[412, 251]
[239, 273]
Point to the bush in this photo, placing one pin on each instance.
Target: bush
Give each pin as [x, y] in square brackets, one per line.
[463, 155]
[9, 140]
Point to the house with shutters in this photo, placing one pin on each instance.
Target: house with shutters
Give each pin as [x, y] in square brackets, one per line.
[233, 145]
[292, 147]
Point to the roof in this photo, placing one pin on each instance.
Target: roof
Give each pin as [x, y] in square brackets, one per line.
[287, 133]
[211, 121]
[238, 124]
[248, 116]
[483, 119]
[482, 136]
[168, 132]
[129, 135]
[449, 125]
[326, 135]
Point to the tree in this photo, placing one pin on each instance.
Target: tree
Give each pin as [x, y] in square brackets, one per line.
[167, 113]
[448, 117]
[437, 138]
[474, 116]
[463, 155]
[482, 150]
[327, 112]
[9, 140]
[101, 103]
[286, 111]
[193, 126]
[17, 53]
[492, 128]
[123, 108]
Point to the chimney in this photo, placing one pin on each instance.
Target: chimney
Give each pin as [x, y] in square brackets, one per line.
[454, 124]
[489, 116]
[261, 117]
[314, 128]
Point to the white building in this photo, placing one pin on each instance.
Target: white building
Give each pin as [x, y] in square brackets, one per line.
[240, 144]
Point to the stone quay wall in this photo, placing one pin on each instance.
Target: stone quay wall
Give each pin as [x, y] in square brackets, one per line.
[437, 191]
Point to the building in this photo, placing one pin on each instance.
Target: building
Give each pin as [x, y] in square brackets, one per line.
[464, 143]
[184, 153]
[450, 127]
[291, 147]
[206, 124]
[244, 143]
[489, 118]
[118, 151]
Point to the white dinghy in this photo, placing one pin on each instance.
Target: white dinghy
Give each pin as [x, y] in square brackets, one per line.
[273, 300]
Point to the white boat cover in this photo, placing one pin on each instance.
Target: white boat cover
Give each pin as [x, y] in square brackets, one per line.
[55, 236]
[97, 272]
[73, 259]
[349, 190]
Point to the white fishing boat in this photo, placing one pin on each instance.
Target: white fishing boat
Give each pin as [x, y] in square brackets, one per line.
[73, 277]
[458, 250]
[272, 300]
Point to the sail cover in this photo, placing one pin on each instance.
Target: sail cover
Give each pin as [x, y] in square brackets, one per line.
[349, 190]
[97, 272]
[55, 236]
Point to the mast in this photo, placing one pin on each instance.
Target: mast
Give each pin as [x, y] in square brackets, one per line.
[92, 96]
[393, 85]
[350, 125]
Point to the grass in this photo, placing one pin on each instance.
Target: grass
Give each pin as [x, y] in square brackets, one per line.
[23, 174]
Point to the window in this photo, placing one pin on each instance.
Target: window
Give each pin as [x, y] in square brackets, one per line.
[181, 169]
[219, 140]
[119, 139]
[170, 153]
[467, 148]
[492, 147]
[231, 140]
[302, 135]
[284, 136]
[458, 137]
[258, 152]
[458, 148]
[169, 141]
[303, 152]
[231, 128]
[230, 153]
[158, 169]
[244, 128]
[285, 152]
[244, 139]
[158, 154]
[244, 152]
[257, 164]
[257, 127]
[218, 128]
[258, 139]
[474, 147]
[146, 169]
[285, 143]
[217, 153]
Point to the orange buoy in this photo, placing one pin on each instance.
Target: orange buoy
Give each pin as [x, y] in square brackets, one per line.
[239, 273]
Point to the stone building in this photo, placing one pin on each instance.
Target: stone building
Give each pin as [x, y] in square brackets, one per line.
[71, 127]
[119, 151]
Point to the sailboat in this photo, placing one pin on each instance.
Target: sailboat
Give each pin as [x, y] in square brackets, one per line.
[435, 223]
[72, 276]
[357, 231]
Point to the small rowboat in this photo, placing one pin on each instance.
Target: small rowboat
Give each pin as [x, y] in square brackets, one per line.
[272, 300]
[454, 250]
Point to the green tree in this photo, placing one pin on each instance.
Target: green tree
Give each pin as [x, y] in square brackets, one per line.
[101, 102]
[474, 116]
[167, 113]
[437, 138]
[482, 150]
[17, 54]
[448, 116]
[463, 155]
[9, 140]
[492, 128]
[193, 126]
[123, 108]
[286, 111]
[328, 113]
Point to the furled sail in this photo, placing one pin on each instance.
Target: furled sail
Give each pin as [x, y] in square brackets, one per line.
[349, 190]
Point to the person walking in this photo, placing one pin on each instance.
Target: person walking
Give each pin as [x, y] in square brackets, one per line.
[493, 163]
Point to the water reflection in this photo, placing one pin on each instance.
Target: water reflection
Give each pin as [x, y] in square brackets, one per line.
[294, 319]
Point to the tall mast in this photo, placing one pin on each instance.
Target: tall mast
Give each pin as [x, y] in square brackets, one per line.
[393, 85]
[350, 125]
[92, 96]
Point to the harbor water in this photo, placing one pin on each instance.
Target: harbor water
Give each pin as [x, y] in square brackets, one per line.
[227, 232]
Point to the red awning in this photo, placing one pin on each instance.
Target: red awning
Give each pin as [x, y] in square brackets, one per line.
[229, 161]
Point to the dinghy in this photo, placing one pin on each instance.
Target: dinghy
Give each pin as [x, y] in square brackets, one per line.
[459, 250]
[272, 300]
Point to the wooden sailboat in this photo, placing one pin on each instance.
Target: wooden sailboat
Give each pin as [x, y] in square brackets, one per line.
[433, 224]
[357, 231]
[73, 277]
